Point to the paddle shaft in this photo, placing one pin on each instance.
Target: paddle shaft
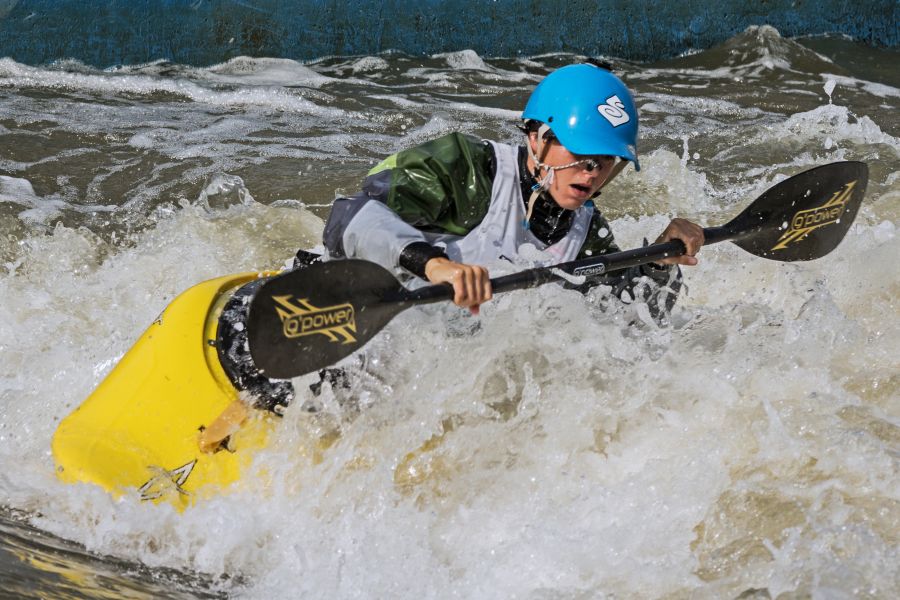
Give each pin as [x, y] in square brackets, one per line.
[308, 319]
[586, 267]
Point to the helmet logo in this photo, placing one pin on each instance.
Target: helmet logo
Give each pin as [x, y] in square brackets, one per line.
[614, 111]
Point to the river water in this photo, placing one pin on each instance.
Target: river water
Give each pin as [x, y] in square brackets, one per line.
[557, 446]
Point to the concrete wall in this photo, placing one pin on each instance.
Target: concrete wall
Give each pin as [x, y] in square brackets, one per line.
[201, 32]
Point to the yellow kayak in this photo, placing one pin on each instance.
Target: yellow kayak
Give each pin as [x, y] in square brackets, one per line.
[140, 428]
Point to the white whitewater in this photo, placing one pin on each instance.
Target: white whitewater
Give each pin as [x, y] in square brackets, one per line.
[555, 447]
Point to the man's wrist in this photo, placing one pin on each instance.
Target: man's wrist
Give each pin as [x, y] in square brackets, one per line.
[415, 256]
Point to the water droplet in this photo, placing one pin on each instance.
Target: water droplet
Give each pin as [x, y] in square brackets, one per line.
[829, 87]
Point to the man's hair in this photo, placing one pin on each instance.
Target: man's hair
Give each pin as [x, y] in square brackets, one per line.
[532, 126]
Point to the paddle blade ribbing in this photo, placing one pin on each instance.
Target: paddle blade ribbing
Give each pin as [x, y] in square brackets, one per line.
[310, 318]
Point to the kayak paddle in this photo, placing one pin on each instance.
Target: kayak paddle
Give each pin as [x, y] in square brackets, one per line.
[307, 319]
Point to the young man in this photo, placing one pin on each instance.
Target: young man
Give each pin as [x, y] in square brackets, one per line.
[443, 210]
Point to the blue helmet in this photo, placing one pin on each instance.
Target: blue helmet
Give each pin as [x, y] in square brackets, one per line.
[589, 110]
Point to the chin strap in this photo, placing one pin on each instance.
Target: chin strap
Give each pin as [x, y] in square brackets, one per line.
[535, 194]
[542, 183]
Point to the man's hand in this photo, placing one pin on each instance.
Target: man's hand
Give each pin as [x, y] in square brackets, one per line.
[471, 283]
[689, 233]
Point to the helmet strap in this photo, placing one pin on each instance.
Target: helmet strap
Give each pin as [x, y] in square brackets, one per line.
[542, 131]
[536, 192]
[543, 183]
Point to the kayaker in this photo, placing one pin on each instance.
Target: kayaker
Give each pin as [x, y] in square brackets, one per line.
[443, 210]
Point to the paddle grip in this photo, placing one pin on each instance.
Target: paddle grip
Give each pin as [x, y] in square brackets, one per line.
[515, 281]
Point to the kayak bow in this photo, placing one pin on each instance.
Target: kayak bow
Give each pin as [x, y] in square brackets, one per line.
[140, 427]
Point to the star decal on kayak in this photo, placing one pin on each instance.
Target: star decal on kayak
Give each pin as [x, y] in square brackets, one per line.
[300, 318]
[805, 221]
[164, 481]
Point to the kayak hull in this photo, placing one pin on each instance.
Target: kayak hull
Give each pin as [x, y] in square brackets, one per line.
[139, 429]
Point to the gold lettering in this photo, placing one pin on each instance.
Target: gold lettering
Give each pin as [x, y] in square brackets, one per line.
[300, 318]
[805, 221]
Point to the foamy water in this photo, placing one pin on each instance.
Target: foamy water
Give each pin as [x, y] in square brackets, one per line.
[556, 446]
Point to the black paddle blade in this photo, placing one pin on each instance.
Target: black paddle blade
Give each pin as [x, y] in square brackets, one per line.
[310, 318]
[803, 217]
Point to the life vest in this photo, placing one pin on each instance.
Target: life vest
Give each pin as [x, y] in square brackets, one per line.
[502, 234]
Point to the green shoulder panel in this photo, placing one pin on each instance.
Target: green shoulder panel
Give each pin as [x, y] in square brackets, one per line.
[389, 163]
[443, 185]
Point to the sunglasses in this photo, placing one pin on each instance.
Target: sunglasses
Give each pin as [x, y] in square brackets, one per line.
[588, 164]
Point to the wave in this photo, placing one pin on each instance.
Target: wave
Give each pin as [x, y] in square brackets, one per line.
[132, 82]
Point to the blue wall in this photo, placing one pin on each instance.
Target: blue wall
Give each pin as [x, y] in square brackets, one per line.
[201, 32]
